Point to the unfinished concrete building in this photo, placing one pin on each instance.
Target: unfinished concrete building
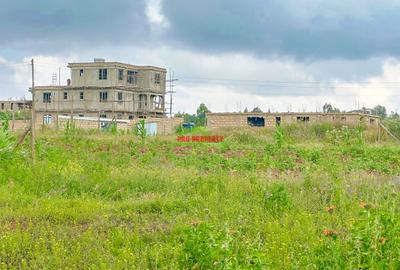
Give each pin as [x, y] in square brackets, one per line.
[15, 105]
[105, 90]
[261, 120]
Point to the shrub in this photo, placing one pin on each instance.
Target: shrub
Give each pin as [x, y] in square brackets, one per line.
[70, 130]
[320, 130]
[279, 137]
[276, 199]
[140, 129]
[112, 128]
[393, 125]
[7, 142]
[345, 136]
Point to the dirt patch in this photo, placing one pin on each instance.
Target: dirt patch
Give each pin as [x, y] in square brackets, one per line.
[182, 150]
[17, 224]
[396, 180]
[211, 150]
[234, 154]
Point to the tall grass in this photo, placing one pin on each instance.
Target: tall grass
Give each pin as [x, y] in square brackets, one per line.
[262, 199]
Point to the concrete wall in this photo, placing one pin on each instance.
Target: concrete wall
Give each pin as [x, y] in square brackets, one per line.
[217, 120]
[18, 125]
[164, 125]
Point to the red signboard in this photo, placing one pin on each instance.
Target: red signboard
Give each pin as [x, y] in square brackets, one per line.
[208, 139]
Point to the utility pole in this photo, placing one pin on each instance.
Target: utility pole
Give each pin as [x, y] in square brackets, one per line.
[72, 107]
[33, 117]
[171, 91]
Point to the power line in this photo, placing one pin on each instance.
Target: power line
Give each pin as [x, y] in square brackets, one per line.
[298, 86]
[279, 82]
[14, 64]
[51, 65]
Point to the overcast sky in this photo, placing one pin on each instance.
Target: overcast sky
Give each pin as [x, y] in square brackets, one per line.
[275, 54]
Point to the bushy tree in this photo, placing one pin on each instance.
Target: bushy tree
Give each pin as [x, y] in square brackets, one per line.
[256, 110]
[199, 119]
[328, 108]
[380, 111]
[201, 114]
[394, 115]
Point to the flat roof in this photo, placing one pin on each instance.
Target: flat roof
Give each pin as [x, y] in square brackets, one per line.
[16, 101]
[114, 64]
[286, 113]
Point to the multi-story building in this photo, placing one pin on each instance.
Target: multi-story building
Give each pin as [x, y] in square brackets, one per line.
[104, 89]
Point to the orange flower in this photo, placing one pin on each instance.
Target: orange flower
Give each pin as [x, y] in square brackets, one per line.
[366, 206]
[232, 231]
[382, 240]
[330, 209]
[195, 222]
[328, 232]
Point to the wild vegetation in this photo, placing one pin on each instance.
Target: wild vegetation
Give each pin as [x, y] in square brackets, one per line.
[300, 197]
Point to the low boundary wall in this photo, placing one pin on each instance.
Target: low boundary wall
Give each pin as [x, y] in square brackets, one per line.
[161, 126]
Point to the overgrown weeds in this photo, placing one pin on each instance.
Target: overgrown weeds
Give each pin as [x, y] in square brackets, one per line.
[268, 200]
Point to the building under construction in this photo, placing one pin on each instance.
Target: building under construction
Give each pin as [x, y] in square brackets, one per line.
[105, 90]
[260, 120]
[15, 105]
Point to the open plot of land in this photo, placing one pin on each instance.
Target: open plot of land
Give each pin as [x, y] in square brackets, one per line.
[258, 200]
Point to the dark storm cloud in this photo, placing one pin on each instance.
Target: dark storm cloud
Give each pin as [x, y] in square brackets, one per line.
[44, 24]
[304, 29]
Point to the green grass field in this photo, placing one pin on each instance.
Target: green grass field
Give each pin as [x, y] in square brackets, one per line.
[259, 200]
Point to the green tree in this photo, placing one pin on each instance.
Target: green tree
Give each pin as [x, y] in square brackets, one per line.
[394, 115]
[201, 114]
[199, 119]
[256, 110]
[380, 111]
[187, 117]
[328, 108]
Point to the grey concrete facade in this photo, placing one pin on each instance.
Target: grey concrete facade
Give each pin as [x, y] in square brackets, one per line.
[105, 89]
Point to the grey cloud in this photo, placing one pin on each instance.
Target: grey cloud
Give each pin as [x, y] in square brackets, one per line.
[304, 29]
[9, 87]
[49, 25]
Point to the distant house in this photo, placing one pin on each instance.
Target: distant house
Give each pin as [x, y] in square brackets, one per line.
[15, 105]
[364, 111]
[104, 89]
